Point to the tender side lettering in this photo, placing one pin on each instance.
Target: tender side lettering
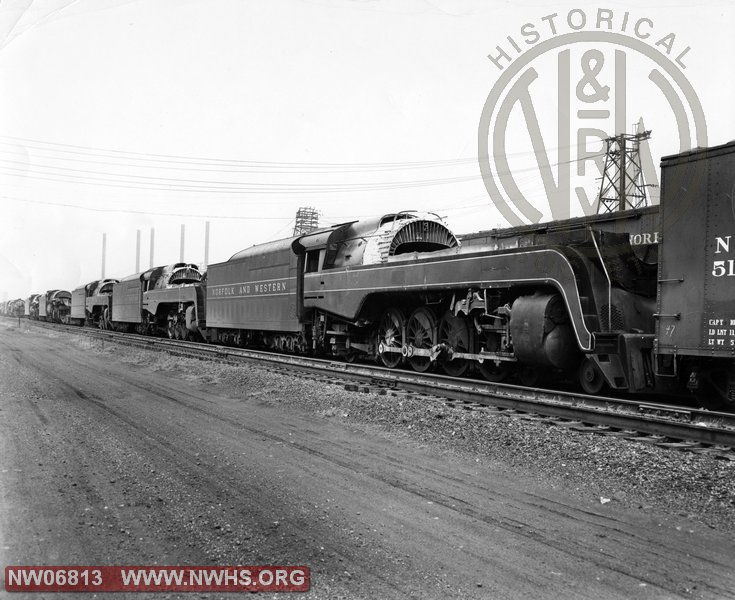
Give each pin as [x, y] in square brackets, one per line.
[641, 239]
[250, 289]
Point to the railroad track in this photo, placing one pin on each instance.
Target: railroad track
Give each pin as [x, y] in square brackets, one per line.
[664, 425]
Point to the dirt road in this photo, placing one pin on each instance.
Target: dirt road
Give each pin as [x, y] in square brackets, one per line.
[109, 462]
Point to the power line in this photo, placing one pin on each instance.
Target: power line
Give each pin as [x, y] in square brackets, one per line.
[142, 212]
[170, 158]
[228, 187]
[200, 161]
[145, 182]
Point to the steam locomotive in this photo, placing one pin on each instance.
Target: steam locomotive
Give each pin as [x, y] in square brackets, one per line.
[574, 299]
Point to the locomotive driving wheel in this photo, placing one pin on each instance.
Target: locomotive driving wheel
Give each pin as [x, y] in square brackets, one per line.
[390, 335]
[491, 370]
[421, 334]
[454, 332]
[530, 375]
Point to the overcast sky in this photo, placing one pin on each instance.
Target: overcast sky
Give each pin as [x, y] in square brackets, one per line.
[120, 115]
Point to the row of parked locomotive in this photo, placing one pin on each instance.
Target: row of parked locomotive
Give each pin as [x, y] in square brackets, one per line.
[157, 301]
[12, 308]
[51, 306]
[571, 299]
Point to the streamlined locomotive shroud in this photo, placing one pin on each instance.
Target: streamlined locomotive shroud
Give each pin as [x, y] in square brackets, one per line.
[168, 299]
[91, 304]
[54, 305]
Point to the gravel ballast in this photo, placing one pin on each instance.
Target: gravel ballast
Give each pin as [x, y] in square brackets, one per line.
[669, 484]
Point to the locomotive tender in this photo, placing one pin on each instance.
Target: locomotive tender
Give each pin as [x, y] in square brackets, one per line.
[622, 300]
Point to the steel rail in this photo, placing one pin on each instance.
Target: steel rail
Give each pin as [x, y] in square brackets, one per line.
[668, 422]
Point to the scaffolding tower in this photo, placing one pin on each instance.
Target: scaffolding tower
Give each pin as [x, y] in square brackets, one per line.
[622, 178]
[307, 219]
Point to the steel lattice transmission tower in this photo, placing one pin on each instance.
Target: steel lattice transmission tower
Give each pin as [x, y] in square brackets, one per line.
[622, 178]
[307, 219]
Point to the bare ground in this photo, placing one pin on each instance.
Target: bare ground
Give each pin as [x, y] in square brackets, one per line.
[109, 458]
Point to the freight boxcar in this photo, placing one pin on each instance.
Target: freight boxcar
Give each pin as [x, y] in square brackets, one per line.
[695, 317]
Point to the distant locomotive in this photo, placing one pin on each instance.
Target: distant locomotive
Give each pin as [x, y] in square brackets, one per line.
[13, 308]
[31, 306]
[620, 300]
[91, 304]
[168, 300]
[54, 306]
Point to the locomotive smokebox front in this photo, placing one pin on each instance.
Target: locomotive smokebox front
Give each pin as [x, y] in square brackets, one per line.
[541, 332]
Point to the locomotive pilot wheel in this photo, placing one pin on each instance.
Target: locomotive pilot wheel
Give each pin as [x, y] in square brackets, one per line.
[421, 334]
[390, 336]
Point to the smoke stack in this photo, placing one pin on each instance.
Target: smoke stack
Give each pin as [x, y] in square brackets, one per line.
[104, 253]
[153, 238]
[206, 243]
[137, 252]
[181, 253]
